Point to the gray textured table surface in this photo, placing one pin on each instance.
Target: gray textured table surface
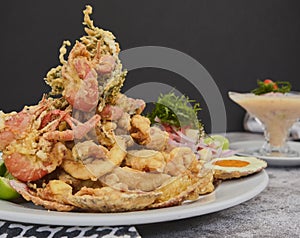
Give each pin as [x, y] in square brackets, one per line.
[273, 213]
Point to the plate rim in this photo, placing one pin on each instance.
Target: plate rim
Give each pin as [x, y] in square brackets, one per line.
[19, 213]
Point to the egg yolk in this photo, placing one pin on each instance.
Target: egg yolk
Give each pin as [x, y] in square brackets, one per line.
[231, 163]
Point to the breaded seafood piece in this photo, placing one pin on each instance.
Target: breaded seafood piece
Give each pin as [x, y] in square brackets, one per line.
[187, 186]
[179, 160]
[158, 139]
[30, 195]
[128, 179]
[146, 160]
[140, 129]
[107, 199]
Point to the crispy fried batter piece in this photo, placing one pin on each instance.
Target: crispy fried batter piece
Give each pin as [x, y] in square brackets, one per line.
[158, 139]
[128, 179]
[185, 187]
[107, 199]
[146, 160]
[29, 195]
[140, 129]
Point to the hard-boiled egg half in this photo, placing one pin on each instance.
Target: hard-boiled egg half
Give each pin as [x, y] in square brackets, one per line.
[235, 166]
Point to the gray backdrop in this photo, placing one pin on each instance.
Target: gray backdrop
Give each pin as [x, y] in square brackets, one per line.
[237, 41]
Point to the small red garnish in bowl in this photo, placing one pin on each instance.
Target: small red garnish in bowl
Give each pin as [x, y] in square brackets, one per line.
[268, 86]
[270, 82]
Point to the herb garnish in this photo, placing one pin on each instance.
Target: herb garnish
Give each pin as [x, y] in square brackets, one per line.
[176, 111]
[268, 86]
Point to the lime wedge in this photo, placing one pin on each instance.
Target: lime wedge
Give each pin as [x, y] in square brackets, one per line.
[6, 191]
[2, 168]
[221, 140]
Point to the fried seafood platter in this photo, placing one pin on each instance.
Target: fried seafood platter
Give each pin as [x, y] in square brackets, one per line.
[87, 147]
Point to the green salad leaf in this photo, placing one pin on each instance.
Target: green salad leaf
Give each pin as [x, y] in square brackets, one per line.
[176, 111]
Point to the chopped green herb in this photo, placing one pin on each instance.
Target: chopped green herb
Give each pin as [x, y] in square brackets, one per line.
[268, 86]
[176, 111]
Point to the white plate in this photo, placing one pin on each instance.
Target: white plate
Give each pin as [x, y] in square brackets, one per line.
[228, 194]
[246, 148]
